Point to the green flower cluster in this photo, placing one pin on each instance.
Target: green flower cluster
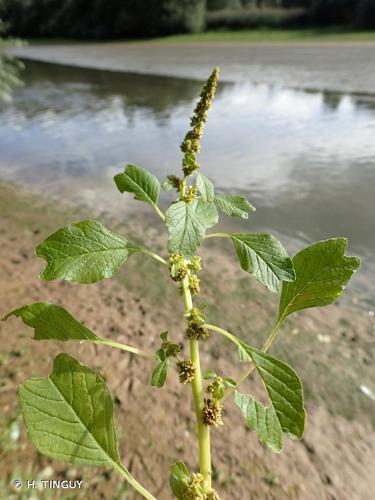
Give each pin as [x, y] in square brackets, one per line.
[186, 370]
[178, 267]
[212, 412]
[191, 143]
[196, 490]
[216, 388]
[195, 328]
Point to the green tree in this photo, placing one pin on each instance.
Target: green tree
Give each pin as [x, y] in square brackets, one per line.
[223, 4]
[102, 18]
[366, 14]
[331, 12]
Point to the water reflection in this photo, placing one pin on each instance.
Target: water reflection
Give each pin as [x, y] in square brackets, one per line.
[305, 159]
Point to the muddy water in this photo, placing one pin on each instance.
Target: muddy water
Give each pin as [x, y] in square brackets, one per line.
[304, 159]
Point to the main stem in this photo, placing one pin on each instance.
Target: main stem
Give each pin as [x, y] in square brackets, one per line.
[196, 385]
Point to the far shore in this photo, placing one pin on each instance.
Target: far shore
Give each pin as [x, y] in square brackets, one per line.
[337, 63]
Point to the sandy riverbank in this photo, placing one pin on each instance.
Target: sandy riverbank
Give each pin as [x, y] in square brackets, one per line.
[335, 458]
[334, 66]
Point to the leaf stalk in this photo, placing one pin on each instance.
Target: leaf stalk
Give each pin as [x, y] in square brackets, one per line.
[125, 347]
[267, 344]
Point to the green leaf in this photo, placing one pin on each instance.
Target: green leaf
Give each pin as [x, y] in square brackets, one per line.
[243, 355]
[206, 188]
[234, 205]
[167, 185]
[159, 374]
[179, 479]
[161, 355]
[52, 322]
[164, 336]
[84, 252]
[284, 389]
[206, 213]
[323, 272]
[263, 257]
[69, 414]
[187, 225]
[263, 420]
[230, 382]
[209, 374]
[139, 181]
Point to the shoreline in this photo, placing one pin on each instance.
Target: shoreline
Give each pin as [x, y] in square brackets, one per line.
[302, 65]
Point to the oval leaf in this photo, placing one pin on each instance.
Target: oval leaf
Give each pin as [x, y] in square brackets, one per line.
[139, 181]
[69, 415]
[262, 420]
[187, 225]
[179, 479]
[263, 257]
[52, 322]
[84, 252]
[206, 188]
[159, 374]
[234, 205]
[206, 213]
[284, 389]
[209, 374]
[323, 272]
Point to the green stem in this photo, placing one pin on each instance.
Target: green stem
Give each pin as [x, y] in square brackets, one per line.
[153, 255]
[217, 235]
[223, 332]
[124, 347]
[133, 482]
[196, 385]
[273, 334]
[183, 188]
[159, 212]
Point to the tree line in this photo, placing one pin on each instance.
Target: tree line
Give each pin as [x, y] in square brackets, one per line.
[103, 19]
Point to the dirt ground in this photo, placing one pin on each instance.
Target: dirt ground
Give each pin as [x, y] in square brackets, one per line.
[332, 349]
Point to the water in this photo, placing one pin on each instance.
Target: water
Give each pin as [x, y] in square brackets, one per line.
[304, 159]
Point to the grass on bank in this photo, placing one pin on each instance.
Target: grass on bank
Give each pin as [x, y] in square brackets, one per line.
[261, 35]
[264, 35]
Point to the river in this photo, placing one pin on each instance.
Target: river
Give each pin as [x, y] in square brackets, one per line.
[305, 159]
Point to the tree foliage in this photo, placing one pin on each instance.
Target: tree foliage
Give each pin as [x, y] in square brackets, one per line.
[102, 18]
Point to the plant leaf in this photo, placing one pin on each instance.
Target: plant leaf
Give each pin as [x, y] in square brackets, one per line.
[139, 181]
[187, 225]
[164, 336]
[167, 185]
[230, 382]
[206, 188]
[323, 272]
[209, 374]
[52, 322]
[179, 479]
[159, 374]
[263, 420]
[69, 414]
[284, 389]
[263, 257]
[234, 205]
[84, 252]
[243, 355]
[206, 213]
